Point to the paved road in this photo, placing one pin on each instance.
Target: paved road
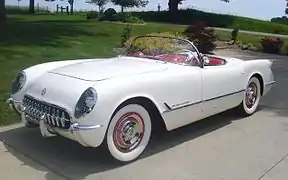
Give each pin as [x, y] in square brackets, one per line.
[223, 147]
[254, 33]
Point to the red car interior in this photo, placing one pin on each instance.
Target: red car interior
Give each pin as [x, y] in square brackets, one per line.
[214, 61]
[181, 58]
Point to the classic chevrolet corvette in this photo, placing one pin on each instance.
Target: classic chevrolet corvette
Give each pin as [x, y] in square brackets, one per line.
[117, 102]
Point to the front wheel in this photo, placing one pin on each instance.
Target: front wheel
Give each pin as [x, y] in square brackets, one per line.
[251, 97]
[129, 132]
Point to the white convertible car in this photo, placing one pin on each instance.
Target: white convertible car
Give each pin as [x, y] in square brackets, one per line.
[117, 102]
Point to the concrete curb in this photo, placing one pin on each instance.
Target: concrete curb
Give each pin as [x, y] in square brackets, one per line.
[12, 126]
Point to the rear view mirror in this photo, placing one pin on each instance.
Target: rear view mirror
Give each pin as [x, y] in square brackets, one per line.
[118, 50]
[206, 59]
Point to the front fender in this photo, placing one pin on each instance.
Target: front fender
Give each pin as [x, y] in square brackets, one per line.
[34, 72]
[103, 112]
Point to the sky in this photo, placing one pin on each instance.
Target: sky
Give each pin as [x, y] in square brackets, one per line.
[248, 8]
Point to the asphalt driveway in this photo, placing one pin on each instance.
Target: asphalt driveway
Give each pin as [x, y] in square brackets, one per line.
[223, 147]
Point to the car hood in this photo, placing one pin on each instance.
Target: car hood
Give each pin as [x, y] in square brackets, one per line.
[101, 69]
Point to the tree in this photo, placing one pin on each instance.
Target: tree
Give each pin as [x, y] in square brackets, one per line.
[130, 3]
[99, 3]
[2, 11]
[286, 10]
[173, 4]
[71, 2]
[32, 6]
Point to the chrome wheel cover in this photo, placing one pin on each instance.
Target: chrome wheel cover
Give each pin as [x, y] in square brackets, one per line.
[251, 95]
[128, 132]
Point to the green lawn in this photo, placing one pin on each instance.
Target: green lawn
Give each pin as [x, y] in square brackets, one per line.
[247, 38]
[188, 16]
[28, 40]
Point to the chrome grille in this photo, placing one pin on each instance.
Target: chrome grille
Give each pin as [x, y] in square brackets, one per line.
[52, 114]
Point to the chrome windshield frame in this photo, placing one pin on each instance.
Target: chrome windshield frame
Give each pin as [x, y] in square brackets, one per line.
[199, 56]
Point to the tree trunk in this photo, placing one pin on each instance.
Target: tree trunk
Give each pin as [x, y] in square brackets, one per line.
[122, 9]
[173, 5]
[2, 11]
[71, 8]
[32, 6]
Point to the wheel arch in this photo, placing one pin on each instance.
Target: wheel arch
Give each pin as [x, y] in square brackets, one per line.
[154, 111]
[261, 80]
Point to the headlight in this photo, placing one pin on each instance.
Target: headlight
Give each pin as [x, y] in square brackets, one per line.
[86, 102]
[19, 82]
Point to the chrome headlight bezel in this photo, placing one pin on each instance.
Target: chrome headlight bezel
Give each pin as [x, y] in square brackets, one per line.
[86, 103]
[18, 82]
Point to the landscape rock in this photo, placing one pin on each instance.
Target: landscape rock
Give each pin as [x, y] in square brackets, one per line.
[244, 47]
[253, 48]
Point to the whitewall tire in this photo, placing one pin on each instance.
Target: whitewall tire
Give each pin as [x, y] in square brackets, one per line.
[129, 132]
[251, 97]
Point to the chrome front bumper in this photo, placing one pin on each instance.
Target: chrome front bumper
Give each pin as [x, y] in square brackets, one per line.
[13, 103]
[74, 132]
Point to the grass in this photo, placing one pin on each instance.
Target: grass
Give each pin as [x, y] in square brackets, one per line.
[188, 16]
[28, 40]
[247, 39]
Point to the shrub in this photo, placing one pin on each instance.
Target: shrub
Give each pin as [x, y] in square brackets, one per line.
[286, 49]
[152, 45]
[133, 19]
[127, 18]
[122, 16]
[271, 45]
[165, 34]
[92, 15]
[126, 35]
[203, 38]
[188, 16]
[234, 34]
[109, 15]
[280, 20]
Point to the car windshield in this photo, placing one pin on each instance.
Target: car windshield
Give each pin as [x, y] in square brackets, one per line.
[167, 49]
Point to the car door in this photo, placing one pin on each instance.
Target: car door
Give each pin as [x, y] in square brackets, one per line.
[222, 87]
[184, 97]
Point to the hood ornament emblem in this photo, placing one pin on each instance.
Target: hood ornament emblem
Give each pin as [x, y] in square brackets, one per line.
[43, 92]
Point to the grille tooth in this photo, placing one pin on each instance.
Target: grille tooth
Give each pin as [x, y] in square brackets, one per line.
[46, 118]
[53, 115]
[49, 119]
[57, 118]
[62, 119]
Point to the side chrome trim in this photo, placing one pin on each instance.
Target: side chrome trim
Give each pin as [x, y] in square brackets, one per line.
[175, 107]
[218, 97]
[187, 104]
[270, 83]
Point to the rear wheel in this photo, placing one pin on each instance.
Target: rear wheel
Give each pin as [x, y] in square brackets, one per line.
[129, 132]
[251, 97]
